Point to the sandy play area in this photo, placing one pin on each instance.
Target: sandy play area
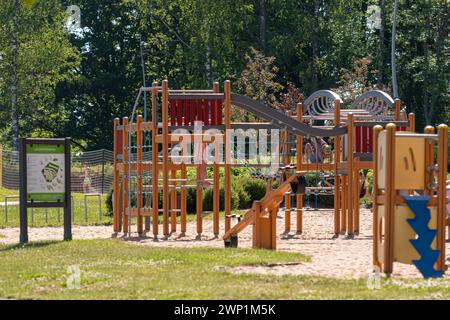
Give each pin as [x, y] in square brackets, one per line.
[333, 257]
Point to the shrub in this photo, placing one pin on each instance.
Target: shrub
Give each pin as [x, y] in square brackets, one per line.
[208, 196]
[109, 200]
[237, 186]
[255, 188]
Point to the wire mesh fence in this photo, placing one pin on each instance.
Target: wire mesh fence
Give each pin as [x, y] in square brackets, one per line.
[92, 179]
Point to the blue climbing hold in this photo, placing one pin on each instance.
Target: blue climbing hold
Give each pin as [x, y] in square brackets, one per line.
[425, 236]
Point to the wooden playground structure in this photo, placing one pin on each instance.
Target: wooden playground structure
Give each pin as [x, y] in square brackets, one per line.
[192, 130]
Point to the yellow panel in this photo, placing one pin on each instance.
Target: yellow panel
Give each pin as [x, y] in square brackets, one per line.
[404, 252]
[409, 163]
[382, 159]
[380, 241]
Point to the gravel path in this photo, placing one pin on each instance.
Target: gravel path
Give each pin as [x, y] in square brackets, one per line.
[333, 257]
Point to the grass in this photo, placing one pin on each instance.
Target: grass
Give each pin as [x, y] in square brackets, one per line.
[79, 215]
[52, 214]
[113, 269]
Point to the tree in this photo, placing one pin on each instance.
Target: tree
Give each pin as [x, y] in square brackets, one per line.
[45, 60]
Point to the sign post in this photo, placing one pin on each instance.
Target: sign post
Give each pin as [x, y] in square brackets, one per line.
[45, 180]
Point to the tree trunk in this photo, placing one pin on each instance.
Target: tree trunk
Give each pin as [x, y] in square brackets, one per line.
[14, 80]
[209, 66]
[262, 26]
[382, 53]
[393, 49]
[315, 44]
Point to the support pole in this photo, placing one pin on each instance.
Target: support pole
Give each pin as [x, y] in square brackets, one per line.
[351, 187]
[125, 173]
[173, 202]
[183, 198]
[344, 202]
[165, 151]
[155, 173]
[442, 193]
[139, 174]
[377, 233]
[299, 168]
[337, 187]
[227, 90]
[216, 181]
[390, 200]
[287, 213]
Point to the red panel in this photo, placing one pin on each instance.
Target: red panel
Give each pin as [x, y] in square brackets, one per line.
[119, 142]
[206, 117]
[186, 112]
[370, 148]
[199, 110]
[365, 138]
[219, 112]
[180, 112]
[192, 111]
[358, 133]
[213, 112]
[173, 112]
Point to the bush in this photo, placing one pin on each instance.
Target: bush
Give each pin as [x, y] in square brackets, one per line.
[237, 186]
[109, 200]
[208, 198]
[369, 181]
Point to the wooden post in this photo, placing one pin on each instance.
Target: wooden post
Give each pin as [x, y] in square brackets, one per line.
[125, 173]
[442, 193]
[299, 168]
[183, 198]
[216, 181]
[412, 122]
[257, 226]
[165, 151]
[344, 201]
[173, 202]
[139, 174]
[337, 187]
[199, 202]
[398, 106]
[351, 187]
[287, 213]
[390, 200]
[376, 232]
[228, 151]
[116, 184]
[155, 173]
[357, 190]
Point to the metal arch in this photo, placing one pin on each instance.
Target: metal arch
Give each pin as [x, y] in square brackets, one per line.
[374, 101]
[320, 102]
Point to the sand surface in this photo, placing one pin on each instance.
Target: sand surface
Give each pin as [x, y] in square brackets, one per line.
[339, 257]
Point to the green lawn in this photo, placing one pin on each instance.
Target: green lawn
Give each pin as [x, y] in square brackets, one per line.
[113, 269]
[79, 214]
[93, 216]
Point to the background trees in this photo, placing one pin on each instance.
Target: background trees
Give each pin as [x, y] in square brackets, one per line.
[75, 84]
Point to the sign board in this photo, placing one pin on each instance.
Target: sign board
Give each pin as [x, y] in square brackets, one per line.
[44, 180]
[45, 173]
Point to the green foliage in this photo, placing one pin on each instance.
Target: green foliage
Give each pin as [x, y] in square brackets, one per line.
[46, 60]
[208, 199]
[76, 84]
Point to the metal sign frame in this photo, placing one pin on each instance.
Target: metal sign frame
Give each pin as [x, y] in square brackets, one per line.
[23, 175]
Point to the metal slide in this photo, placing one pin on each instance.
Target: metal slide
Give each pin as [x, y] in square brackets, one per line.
[281, 120]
